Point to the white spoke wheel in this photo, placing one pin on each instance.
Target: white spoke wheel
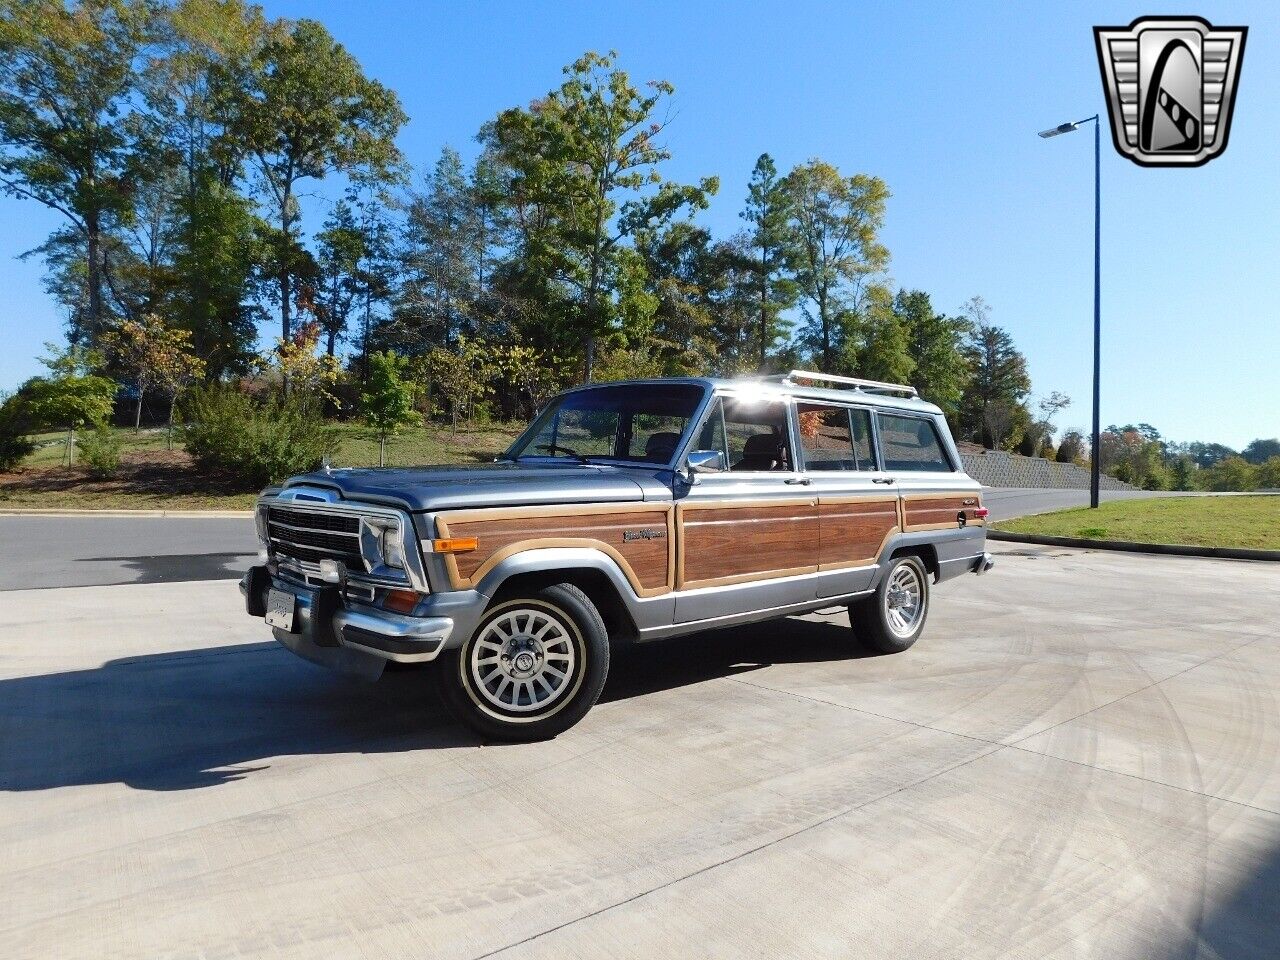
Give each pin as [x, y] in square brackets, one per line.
[532, 668]
[891, 619]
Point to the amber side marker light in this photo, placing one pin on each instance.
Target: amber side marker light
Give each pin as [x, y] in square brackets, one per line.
[455, 545]
[401, 601]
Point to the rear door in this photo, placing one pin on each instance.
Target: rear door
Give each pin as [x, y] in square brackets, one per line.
[934, 491]
[858, 507]
[748, 536]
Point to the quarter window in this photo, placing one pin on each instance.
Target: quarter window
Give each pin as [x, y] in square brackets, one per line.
[835, 438]
[911, 443]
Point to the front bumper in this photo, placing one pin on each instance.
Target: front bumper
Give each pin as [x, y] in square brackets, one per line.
[350, 637]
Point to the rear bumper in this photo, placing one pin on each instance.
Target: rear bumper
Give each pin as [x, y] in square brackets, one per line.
[353, 638]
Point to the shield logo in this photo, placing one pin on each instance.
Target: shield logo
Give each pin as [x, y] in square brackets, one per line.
[1171, 86]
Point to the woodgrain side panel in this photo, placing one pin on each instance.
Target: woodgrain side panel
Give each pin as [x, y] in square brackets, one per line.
[854, 531]
[728, 543]
[937, 511]
[647, 562]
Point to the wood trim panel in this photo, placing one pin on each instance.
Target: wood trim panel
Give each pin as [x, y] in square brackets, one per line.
[854, 530]
[724, 542]
[502, 532]
[939, 511]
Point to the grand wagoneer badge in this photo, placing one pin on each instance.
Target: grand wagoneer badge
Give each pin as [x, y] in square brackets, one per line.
[1171, 86]
[647, 533]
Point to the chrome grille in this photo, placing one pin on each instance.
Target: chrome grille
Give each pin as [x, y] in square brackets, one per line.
[311, 536]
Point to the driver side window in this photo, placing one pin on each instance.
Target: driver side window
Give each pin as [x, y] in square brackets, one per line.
[756, 434]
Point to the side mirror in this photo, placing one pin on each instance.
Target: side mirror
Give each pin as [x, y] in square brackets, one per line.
[706, 461]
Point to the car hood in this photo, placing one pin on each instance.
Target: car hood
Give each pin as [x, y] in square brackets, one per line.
[489, 485]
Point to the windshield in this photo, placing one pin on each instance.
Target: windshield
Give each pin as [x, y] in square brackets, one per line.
[639, 423]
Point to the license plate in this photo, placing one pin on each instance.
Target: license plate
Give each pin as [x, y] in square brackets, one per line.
[280, 609]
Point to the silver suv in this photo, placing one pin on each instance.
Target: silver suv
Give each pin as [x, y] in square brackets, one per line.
[626, 512]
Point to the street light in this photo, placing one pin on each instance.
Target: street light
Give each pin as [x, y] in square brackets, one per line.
[1095, 452]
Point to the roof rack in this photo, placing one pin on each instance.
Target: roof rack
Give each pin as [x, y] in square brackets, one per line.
[869, 386]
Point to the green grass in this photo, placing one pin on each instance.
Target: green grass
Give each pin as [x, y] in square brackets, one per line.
[1232, 521]
[152, 477]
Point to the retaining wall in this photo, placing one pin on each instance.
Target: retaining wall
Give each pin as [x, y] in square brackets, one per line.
[997, 468]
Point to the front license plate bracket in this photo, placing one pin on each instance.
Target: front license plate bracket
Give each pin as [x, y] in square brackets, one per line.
[282, 609]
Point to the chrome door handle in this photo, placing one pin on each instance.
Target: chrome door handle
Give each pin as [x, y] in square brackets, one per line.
[882, 479]
[804, 481]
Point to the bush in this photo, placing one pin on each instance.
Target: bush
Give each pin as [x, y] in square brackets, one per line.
[100, 449]
[255, 443]
[14, 442]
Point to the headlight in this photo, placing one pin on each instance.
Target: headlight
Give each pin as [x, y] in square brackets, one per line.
[392, 547]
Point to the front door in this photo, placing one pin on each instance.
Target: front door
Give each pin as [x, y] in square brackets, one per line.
[748, 536]
[858, 506]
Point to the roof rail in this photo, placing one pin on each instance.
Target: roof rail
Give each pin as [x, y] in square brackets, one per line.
[870, 386]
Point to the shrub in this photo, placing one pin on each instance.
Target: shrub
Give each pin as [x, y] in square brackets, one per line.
[101, 450]
[255, 443]
[14, 442]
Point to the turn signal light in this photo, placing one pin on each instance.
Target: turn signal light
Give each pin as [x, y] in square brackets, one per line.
[980, 513]
[401, 601]
[455, 545]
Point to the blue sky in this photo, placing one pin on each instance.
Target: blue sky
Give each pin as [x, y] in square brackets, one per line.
[943, 101]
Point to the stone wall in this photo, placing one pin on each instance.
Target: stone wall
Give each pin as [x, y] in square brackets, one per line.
[996, 468]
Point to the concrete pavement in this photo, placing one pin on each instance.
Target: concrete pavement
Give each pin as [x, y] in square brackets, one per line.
[1080, 759]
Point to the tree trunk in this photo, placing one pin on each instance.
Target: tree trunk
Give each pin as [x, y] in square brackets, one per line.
[453, 408]
[93, 242]
[71, 446]
[137, 418]
[382, 450]
[590, 359]
[826, 332]
[285, 226]
[764, 305]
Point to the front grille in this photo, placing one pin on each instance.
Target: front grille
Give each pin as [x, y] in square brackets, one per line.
[312, 536]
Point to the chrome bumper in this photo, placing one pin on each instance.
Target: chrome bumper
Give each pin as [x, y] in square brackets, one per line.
[984, 563]
[357, 639]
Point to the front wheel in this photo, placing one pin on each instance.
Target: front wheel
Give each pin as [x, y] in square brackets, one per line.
[533, 667]
[891, 619]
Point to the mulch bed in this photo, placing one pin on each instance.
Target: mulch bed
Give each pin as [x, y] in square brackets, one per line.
[156, 472]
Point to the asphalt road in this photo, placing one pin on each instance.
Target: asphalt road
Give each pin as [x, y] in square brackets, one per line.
[1080, 759]
[67, 551]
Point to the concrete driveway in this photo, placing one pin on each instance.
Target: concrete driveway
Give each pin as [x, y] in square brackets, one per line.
[1080, 759]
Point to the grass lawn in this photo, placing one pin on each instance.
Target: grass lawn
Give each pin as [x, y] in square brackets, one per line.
[152, 477]
[1232, 521]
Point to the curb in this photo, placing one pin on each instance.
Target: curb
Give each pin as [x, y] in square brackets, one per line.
[172, 514]
[1168, 549]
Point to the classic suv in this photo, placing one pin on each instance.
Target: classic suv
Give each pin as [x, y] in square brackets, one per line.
[627, 511]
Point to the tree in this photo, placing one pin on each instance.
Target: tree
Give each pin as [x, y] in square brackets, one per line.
[991, 408]
[1260, 451]
[301, 108]
[341, 251]
[885, 352]
[68, 131]
[152, 353]
[935, 345]
[836, 222]
[1229, 474]
[1268, 474]
[71, 397]
[582, 164]
[387, 398]
[462, 375]
[306, 373]
[1072, 448]
[773, 250]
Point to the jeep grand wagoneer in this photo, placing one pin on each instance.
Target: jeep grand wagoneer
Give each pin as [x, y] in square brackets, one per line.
[626, 511]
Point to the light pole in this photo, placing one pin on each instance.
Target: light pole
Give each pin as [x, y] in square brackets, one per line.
[1095, 458]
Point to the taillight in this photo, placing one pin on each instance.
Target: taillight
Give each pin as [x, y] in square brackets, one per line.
[979, 513]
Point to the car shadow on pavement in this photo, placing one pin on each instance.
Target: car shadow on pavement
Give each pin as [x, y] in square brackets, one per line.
[180, 567]
[198, 718]
[1244, 925]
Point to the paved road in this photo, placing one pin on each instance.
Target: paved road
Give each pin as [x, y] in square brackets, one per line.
[1080, 759]
[88, 551]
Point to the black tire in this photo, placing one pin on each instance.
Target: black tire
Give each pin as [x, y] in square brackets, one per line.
[472, 676]
[872, 617]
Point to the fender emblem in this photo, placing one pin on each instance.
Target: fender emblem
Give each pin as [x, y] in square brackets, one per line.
[647, 533]
[969, 503]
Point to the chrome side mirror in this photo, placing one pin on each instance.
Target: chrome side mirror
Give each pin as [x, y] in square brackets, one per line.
[706, 461]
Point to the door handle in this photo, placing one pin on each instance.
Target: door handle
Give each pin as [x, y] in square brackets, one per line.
[803, 481]
[882, 479]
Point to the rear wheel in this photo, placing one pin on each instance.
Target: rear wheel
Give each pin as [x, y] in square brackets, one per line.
[533, 667]
[892, 619]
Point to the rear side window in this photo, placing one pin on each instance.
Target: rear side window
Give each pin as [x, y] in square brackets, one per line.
[911, 443]
[835, 438]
